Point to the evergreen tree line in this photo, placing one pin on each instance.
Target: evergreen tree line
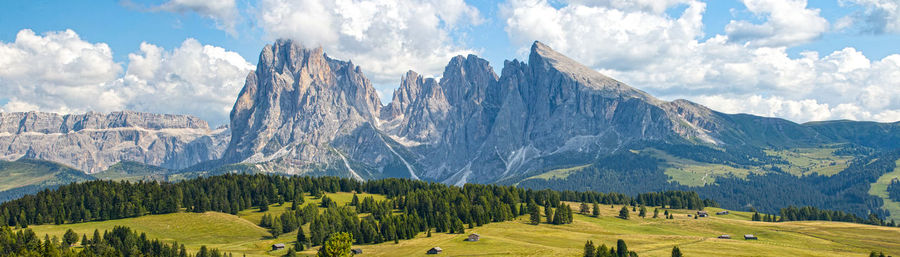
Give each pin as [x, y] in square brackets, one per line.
[893, 190]
[121, 241]
[621, 250]
[437, 205]
[793, 213]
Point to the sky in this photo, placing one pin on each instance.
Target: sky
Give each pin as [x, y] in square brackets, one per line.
[794, 59]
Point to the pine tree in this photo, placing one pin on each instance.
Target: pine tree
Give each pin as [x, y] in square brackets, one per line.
[596, 212]
[602, 251]
[548, 212]
[301, 239]
[337, 245]
[621, 248]
[69, 238]
[655, 213]
[584, 208]
[535, 215]
[354, 201]
[277, 228]
[623, 213]
[676, 252]
[643, 213]
[589, 250]
[290, 253]
[264, 204]
[755, 217]
[84, 240]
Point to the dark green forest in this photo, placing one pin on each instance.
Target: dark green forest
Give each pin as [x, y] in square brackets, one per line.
[423, 205]
[121, 241]
[847, 191]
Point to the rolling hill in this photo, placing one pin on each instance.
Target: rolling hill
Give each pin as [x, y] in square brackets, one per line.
[240, 235]
[27, 176]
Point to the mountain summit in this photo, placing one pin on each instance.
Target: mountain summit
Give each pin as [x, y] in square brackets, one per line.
[301, 111]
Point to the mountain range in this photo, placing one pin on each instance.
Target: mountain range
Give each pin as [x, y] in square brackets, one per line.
[549, 122]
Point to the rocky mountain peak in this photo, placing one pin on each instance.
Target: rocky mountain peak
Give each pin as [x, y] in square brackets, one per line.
[544, 59]
[299, 108]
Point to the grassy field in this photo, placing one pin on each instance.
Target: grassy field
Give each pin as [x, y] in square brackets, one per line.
[649, 237]
[879, 188]
[559, 173]
[132, 171]
[35, 172]
[805, 161]
[692, 173]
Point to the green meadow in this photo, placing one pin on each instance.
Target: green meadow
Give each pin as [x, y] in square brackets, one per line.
[239, 234]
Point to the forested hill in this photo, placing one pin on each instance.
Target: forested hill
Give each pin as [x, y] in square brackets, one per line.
[424, 205]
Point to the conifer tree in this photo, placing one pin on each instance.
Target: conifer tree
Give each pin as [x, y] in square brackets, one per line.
[301, 239]
[535, 215]
[623, 213]
[337, 245]
[584, 208]
[548, 212]
[621, 248]
[589, 250]
[643, 212]
[596, 212]
[676, 252]
[655, 213]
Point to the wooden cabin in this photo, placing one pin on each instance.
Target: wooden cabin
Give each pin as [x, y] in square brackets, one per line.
[725, 237]
[702, 214]
[473, 237]
[276, 247]
[435, 250]
[722, 213]
[750, 237]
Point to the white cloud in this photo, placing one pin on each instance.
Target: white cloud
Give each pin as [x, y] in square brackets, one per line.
[788, 22]
[668, 57]
[60, 72]
[386, 38]
[195, 79]
[878, 16]
[57, 71]
[223, 12]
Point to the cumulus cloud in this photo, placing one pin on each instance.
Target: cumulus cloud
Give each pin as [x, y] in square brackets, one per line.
[223, 12]
[669, 57]
[195, 79]
[788, 22]
[60, 72]
[386, 38]
[877, 16]
[57, 71]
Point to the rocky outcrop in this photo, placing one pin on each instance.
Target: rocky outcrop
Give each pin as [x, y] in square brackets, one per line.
[94, 141]
[302, 111]
[535, 115]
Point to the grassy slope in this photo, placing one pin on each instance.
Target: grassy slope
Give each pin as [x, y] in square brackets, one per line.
[35, 172]
[655, 237]
[559, 173]
[692, 173]
[235, 234]
[805, 161]
[133, 171]
[649, 237]
[879, 188]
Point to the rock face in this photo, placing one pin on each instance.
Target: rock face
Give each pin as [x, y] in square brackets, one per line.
[302, 111]
[481, 128]
[92, 142]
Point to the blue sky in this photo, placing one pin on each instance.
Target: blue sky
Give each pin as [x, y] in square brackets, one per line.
[794, 59]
